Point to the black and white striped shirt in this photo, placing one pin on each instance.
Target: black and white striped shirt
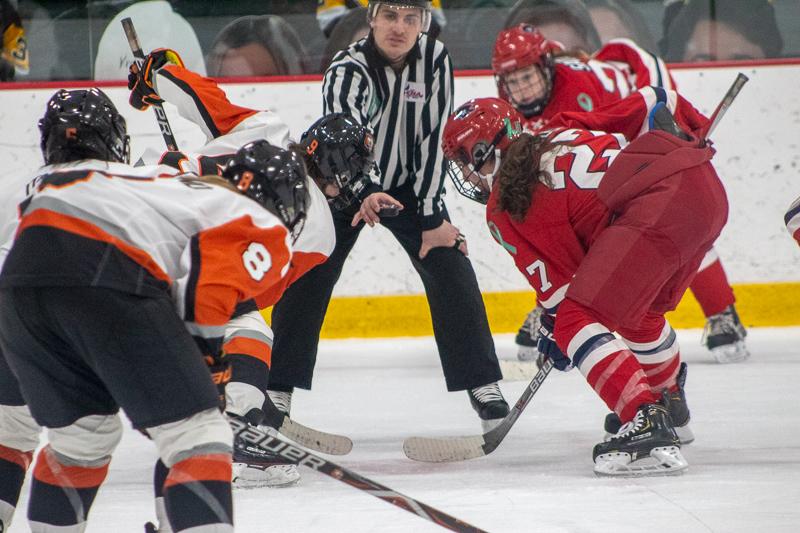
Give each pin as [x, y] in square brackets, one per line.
[406, 112]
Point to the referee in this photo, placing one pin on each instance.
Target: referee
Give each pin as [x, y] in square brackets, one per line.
[398, 82]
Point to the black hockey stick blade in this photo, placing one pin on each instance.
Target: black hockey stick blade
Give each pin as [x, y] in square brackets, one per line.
[306, 436]
[158, 109]
[450, 449]
[723, 106]
[256, 437]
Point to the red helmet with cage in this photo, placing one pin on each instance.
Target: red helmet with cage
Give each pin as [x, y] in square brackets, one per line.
[474, 133]
[517, 48]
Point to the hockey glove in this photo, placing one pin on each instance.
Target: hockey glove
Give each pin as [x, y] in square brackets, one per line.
[547, 345]
[140, 77]
[221, 372]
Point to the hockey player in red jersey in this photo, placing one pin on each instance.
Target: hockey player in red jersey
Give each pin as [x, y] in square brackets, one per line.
[117, 291]
[540, 80]
[608, 217]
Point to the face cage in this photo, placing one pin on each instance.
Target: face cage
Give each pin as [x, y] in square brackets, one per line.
[351, 187]
[536, 107]
[462, 183]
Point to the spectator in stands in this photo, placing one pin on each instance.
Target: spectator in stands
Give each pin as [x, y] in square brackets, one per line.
[565, 21]
[620, 19]
[349, 29]
[330, 12]
[722, 30]
[13, 47]
[264, 45]
[157, 26]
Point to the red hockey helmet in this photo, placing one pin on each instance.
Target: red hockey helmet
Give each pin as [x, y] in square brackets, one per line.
[475, 132]
[517, 48]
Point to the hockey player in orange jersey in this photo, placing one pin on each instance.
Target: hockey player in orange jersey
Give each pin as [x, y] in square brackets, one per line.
[118, 288]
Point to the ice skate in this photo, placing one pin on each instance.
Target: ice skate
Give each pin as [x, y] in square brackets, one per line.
[676, 405]
[528, 336]
[724, 336]
[647, 445]
[488, 402]
[254, 468]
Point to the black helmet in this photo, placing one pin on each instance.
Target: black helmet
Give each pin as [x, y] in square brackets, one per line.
[83, 124]
[341, 150]
[273, 177]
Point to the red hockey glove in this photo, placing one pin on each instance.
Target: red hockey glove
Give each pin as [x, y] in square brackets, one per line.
[547, 345]
[140, 77]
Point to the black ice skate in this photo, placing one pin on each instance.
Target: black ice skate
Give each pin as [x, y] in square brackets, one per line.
[528, 336]
[724, 335]
[253, 467]
[490, 405]
[647, 445]
[676, 405]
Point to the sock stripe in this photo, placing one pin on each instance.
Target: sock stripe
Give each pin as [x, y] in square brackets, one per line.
[211, 467]
[23, 459]
[49, 470]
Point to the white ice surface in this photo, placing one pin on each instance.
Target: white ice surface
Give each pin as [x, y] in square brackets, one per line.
[744, 473]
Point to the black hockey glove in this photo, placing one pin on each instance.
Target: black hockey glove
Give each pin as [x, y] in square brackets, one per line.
[140, 77]
[221, 372]
[547, 345]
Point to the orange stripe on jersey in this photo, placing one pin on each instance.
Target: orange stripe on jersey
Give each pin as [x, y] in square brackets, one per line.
[49, 470]
[23, 459]
[45, 217]
[252, 347]
[206, 94]
[238, 260]
[211, 467]
[301, 263]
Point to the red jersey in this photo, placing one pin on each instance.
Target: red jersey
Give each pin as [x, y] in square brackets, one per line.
[563, 221]
[619, 68]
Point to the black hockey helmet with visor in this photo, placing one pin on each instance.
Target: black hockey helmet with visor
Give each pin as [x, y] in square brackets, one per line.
[83, 124]
[340, 149]
[424, 5]
[273, 177]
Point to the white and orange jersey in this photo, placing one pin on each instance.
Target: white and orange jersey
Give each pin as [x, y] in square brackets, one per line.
[95, 223]
[792, 220]
[227, 127]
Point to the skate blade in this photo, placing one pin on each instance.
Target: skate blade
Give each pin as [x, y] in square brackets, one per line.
[277, 476]
[662, 461]
[731, 353]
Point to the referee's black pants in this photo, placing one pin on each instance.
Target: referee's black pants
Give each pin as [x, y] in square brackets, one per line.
[460, 327]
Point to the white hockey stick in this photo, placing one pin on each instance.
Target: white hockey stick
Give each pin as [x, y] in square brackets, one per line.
[448, 449]
[723, 106]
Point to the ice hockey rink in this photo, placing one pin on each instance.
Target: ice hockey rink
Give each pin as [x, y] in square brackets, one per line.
[744, 473]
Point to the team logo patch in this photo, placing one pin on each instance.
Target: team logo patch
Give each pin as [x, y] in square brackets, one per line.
[414, 91]
[369, 142]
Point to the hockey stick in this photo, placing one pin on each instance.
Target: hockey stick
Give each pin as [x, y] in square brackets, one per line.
[308, 437]
[161, 116]
[723, 106]
[301, 457]
[447, 449]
